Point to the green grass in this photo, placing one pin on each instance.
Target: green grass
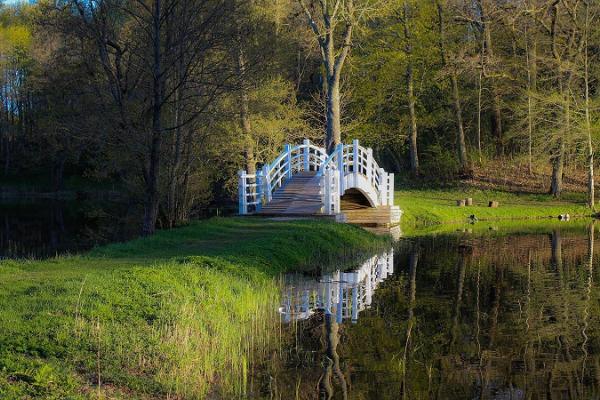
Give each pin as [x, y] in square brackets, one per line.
[425, 208]
[181, 314]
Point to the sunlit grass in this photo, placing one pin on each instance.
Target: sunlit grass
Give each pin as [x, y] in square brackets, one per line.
[182, 314]
[428, 207]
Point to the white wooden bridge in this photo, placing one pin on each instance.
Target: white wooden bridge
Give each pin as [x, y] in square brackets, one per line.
[306, 181]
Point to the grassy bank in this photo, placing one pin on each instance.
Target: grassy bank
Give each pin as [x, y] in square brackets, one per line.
[429, 207]
[181, 314]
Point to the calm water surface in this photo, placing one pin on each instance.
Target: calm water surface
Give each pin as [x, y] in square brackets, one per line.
[455, 316]
[44, 228]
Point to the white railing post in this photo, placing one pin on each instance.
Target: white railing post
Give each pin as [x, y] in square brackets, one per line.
[306, 154]
[324, 182]
[340, 159]
[288, 159]
[355, 160]
[391, 190]
[242, 190]
[370, 165]
[383, 196]
[337, 194]
[259, 189]
[267, 183]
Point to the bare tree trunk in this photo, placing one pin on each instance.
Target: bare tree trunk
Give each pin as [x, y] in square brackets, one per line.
[496, 99]
[558, 156]
[479, 101]
[531, 54]
[588, 124]
[333, 135]
[413, 150]
[557, 170]
[153, 171]
[332, 60]
[174, 174]
[460, 137]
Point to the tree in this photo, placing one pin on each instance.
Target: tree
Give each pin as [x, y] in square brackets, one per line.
[413, 151]
[157, 55]
[332, 14]
[460, 130]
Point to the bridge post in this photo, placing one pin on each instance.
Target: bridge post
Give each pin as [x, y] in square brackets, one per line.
[391, 190]
[355, 160]
[266, 184]
[340, 160]
[306, 154]
[369, 164]
[288, 159]
[259, 189]
[242, 190]
[383, 185]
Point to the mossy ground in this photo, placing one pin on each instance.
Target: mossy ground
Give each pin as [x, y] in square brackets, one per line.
[181, 314]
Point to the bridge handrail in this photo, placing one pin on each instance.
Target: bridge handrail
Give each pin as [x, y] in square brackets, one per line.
[355, 158]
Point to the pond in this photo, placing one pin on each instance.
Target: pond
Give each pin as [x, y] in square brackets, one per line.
[40, 228]
[451, 316]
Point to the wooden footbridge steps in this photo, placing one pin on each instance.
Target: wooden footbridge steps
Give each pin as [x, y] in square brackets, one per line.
[300, 195]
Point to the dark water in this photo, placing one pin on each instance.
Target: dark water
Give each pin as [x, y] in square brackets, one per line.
[448, 317]
[44, 228]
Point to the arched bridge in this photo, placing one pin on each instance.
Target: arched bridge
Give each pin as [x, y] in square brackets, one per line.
[305, 180]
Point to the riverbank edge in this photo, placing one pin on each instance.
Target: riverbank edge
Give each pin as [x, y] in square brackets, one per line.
[184, 312]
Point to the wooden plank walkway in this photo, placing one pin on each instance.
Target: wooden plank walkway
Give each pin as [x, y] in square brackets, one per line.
[298, 196]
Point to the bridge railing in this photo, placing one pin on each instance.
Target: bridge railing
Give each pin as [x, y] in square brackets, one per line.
[355, 159]
[254, 190]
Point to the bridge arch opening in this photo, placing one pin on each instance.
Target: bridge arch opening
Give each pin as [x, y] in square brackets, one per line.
[355, 199]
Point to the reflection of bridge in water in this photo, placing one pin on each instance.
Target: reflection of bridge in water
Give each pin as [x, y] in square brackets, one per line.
[343, 294]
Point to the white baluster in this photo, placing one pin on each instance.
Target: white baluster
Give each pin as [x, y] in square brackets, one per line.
[336, 193]
[383, 196]
[340, 159]
[391, 189]
[267, 183]
[306, 154]
[242, 190]
[370, 165]
[288, 160]
[259, 189]
[355, 160]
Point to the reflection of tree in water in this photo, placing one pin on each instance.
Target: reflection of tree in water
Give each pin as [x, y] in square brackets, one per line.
[331, 360]
[488, 318]
[46, 228]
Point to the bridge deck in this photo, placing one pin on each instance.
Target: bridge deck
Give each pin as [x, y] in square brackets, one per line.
[298, 196]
